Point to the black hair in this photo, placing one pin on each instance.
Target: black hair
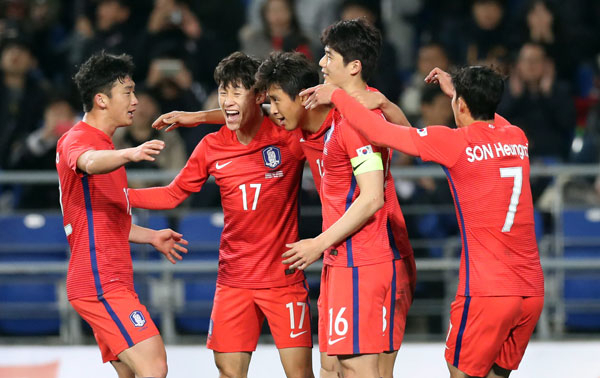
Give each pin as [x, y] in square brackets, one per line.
[355, 40]
[99, 73]
[481, 87]
[237, 69]
[292, 71]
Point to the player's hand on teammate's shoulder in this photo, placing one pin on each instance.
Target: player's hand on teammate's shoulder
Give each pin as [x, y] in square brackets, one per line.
[443, 78]
[146, 150]
[368, 99]
[175, 119]
[302, 253]
[170, 244]
[318, 95]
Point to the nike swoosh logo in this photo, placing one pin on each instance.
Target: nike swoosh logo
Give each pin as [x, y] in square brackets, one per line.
[331, 342]
[302, 140]
[294, 335]
[359, 164]
[223, 165]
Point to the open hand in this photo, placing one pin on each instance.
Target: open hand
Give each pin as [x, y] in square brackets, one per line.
[443, 78]
[318, 95]
[146, 151]
[175, 119]
[170, 244]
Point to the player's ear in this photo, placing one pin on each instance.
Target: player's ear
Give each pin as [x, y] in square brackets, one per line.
[100, 101]
[355, 67]
[261, 96]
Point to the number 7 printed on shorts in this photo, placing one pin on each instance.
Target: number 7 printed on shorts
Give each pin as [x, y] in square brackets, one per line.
[290, 306]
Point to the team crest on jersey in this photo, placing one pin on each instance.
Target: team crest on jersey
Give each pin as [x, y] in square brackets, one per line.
[137, 318]
[422, 132]
[271, 156]
[364, 150]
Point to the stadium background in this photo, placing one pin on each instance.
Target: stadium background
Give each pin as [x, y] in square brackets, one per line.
[549, 51]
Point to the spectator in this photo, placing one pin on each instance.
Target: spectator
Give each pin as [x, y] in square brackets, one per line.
[172, 158]
[429, 56]
[540, 104]
[279, 31]
[386, 77]
[172, 82]
[23, 94]
[38, 150]
[540, 23]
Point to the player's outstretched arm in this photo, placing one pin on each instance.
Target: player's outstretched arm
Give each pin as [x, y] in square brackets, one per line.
[96, 162]
[377, 100]
[443, 78]
[166, 241]
[157, 198]
[304, 252]
[175, 119]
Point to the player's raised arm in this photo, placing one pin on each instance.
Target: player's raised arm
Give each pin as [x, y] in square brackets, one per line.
[175, 119]
[377, 100]
[166, 241]
[104, 161]
[443, 78]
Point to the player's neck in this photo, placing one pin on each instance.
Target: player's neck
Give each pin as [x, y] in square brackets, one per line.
[354, 84]
[248, 131]
[315, 118]
[98, 121]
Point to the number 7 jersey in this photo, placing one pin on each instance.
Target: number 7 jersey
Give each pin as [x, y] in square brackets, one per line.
[487, 166]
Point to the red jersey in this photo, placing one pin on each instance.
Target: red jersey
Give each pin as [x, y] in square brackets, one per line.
[312, 145]
[97, 217]
[488, 172]
[259, 185]
[370, 244]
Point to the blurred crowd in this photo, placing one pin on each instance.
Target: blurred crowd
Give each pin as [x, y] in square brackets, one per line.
[548, 49]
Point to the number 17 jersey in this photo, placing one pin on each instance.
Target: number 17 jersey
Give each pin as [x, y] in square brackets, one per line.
[487, 166]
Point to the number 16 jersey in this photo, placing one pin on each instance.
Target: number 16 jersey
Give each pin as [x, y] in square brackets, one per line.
[487, 166]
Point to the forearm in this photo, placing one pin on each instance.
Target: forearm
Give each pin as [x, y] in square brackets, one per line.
[103, 161]
[373, 127]
[158, 198]
[140, 235]
[363, 208]
[212, 116]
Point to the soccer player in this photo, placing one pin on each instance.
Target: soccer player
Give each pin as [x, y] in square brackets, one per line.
[258, 168]
[358, 255]
[97, 220]
[501, 284]
[284, 76]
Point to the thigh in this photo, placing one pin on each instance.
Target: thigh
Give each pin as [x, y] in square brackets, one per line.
[287, 310]
[235, 321]
[356, 311]
[396, 305]
[118, 320]
[297, 362]
[514, 347]
[478, 328]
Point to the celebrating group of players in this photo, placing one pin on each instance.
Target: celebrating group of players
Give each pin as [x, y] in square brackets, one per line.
[369, 274]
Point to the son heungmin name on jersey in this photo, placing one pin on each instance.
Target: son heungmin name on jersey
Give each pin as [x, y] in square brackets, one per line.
[495, 150]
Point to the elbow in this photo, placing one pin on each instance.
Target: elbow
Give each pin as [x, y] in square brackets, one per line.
[375, 204]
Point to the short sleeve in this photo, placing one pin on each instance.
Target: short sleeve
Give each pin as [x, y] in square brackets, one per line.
[364, 156]
[439, 144]
[76, 145]
[195, 172]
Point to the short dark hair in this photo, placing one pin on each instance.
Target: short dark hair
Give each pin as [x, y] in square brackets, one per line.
[292, 71]
[99, 73]
[235, 69]
[355, 40]
[481, 87]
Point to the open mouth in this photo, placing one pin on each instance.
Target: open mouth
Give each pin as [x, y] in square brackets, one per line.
[232, 115]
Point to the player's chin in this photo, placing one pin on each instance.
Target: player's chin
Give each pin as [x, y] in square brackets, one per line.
[233, 126]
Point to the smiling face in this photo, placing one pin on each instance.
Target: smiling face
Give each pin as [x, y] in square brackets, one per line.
[122, 102]
[333, 68]
[238, 104]
[287, 111]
